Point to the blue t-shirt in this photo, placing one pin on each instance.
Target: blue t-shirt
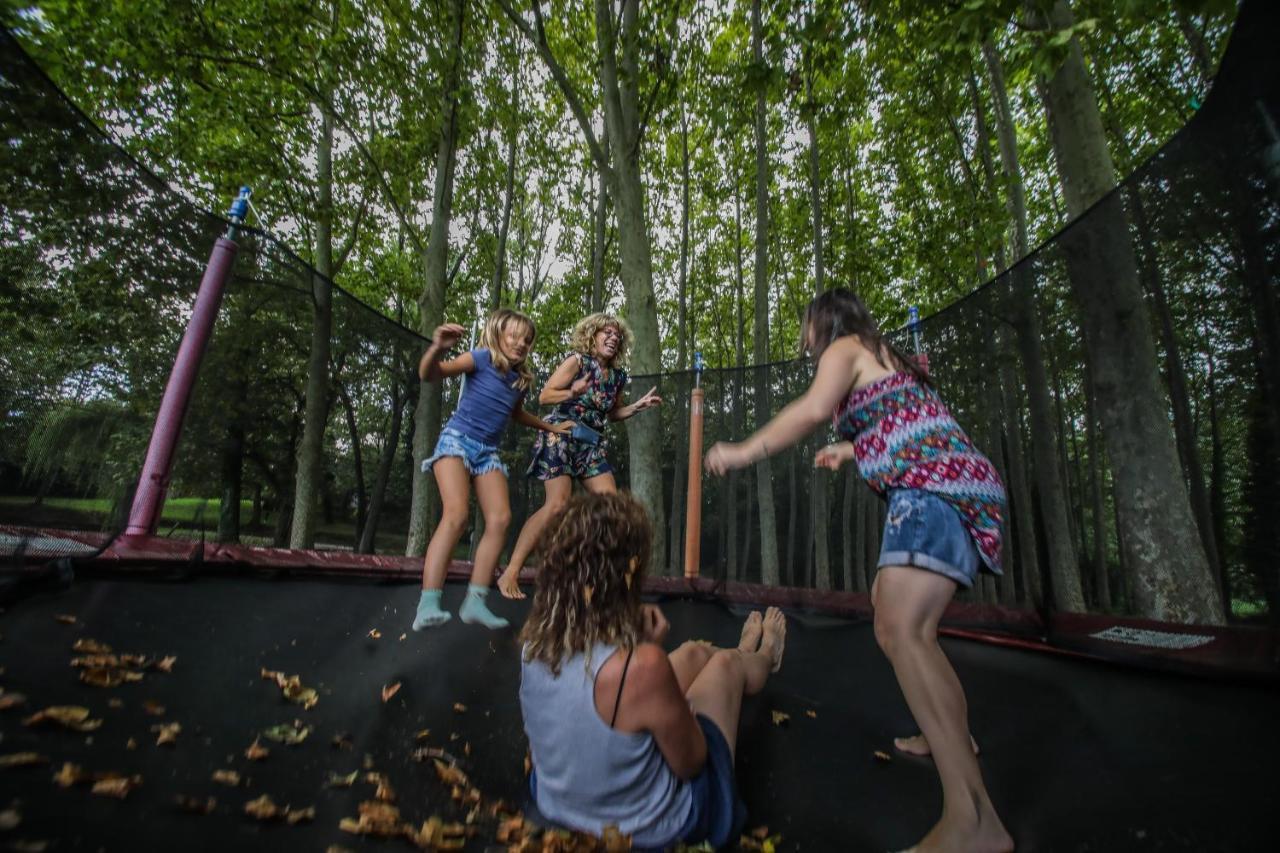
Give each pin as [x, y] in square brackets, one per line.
[489, 398]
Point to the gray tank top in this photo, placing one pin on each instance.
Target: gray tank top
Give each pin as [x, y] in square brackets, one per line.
[590, 776]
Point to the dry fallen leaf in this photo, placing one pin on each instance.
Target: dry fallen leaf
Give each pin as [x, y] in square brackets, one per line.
[294, 816]
[450, 774]
[69, 716]
[195, 805]
[168, 733]
[256, 752]
[402, 636]
[422, 734]
[813, 715]
[86, 646]
[165, 664]
[459, 708]
[779, 717]
[337, 781]
[385, 793]
[390, 690]
[116, 786]
[101, 677]
[70, 774]
[230, 778]
[342, 740]
[292, 734]
[12, 700]
[375, 634]
[65, 618]
[23, 759]
[262, 808]
[9, 819]
[882, 756]
[131, 744]
[153, 708]
[115, 704]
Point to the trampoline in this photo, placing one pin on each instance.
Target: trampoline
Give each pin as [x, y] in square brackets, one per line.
[1100, 729]
[1079, 755]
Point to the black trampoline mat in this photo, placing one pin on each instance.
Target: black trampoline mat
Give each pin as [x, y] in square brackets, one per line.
[1078, 756]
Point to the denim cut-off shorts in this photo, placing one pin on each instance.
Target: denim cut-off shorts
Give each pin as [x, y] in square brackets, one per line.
[924, 531]
[478, 457]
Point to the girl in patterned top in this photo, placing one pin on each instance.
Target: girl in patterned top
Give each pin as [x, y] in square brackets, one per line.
[586, 390]
[945, 508]
[497, 378]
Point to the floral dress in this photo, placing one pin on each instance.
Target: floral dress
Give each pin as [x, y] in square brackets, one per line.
[557, 455]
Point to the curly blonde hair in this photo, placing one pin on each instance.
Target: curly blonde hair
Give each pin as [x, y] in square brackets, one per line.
[583, 337]
[491, 339]
[594, 558]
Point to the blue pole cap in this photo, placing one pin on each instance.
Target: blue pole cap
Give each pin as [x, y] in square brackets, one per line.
[698, 364]
[240, 207]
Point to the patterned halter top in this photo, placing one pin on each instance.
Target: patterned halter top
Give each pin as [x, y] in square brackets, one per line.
[904, 437]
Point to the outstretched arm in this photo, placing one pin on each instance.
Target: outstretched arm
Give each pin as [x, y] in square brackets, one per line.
[621, 412]
[802, 416]
[445, 337]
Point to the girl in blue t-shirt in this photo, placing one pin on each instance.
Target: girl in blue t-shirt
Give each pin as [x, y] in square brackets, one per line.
[498, 377]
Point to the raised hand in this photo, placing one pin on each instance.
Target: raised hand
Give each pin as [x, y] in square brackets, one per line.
[447, 335]
[833, 455]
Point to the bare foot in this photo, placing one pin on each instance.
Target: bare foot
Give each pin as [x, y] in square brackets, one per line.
[980, 833]
[775, 636]
[917, 745]
[751, 631]
[509, 584]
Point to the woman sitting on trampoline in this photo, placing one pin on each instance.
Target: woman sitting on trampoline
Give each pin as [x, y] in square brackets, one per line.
[945, 505]
[586, 389]
[622, 734]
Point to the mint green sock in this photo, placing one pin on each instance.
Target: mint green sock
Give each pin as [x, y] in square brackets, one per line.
[429, 612]
[475, 610]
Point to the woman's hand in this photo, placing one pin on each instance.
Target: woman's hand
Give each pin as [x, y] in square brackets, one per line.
[447, 335]
[648, 401]
[725, 456]
[561, 428]
[655, 626]
[834, 455]
[577, 389]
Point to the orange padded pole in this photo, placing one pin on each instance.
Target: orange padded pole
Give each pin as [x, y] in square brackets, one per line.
[693, 511]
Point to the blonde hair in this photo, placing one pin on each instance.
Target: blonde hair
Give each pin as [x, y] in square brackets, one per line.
[583, 337]
[594, 557]
[491, 339]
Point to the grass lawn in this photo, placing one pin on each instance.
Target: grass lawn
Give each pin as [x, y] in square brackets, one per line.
[175, 509]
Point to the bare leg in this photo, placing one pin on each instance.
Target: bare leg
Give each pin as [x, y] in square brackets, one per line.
[601, 484]
[732, 673]
[688, 661]
[917, 745]
[455, 491]
[558, 491]
[909, 603]
[495, 505]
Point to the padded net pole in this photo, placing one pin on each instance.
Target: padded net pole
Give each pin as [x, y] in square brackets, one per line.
[693, 511]
[148, 501]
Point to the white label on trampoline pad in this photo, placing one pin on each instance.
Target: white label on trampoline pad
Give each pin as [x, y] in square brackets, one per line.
[1154, 639]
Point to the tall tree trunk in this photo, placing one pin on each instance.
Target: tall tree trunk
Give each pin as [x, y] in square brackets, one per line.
[599, 226]
[619, 74]
[232, 477]
[357, 459]
[1172, 579]
[1063, 566]
[1102, 581]
[386, 459]
[818, 477]
[1217, 486]
[424, 504]
[508, 194]
[309, 472]
[1021, 509]
[760, 336]
[1183, 428]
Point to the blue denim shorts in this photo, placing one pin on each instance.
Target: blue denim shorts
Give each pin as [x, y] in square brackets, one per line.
[479, 458]
[718, 813]
[924, 531]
